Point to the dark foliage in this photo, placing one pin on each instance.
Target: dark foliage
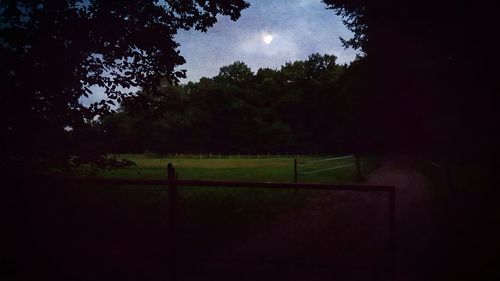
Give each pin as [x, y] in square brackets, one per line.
[52, 52]
[430, 91]
[238, 111]
[428, 72]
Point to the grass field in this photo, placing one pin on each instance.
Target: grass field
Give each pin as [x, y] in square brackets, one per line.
[275, 169]
[222, 201]
[222, 209]
[200, 199]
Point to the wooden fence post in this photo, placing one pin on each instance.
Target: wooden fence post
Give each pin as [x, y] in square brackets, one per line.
[295, 170]
[172, 220]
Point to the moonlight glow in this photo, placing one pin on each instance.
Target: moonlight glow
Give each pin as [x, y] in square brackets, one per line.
[267, 38]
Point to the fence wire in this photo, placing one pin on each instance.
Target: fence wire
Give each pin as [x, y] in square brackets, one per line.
[343, 167]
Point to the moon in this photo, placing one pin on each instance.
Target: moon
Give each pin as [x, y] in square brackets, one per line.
[268, 38]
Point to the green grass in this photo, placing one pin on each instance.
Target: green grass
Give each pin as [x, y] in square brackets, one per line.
[211, 216]
[222, 208]
[274, 169]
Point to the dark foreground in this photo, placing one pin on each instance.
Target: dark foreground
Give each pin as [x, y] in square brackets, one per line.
[61, 232]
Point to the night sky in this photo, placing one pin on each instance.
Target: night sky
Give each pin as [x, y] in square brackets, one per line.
[298, 29]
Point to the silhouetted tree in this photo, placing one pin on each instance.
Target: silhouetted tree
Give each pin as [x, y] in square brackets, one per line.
[239, 111]
[235, 72]
[428, 88]
[53, 52]
[418, 60]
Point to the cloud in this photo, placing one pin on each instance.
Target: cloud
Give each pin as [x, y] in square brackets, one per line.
[99, 94]
[283, 44]
[306, 3]
[299, 28]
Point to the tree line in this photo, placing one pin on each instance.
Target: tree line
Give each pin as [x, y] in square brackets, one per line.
[305, 106]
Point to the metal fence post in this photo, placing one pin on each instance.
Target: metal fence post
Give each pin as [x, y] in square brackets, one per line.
[392, 232]
[358, 168]
[172, 220]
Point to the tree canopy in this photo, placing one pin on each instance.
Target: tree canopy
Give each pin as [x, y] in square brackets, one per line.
[239, 111]
[427, 71]
[53, 52]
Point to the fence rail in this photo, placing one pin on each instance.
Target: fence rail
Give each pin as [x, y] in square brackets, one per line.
[235, 184]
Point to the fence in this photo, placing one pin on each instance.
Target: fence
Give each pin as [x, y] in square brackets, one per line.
[274, 230]
[227, 155]
[325, 165]
[216, 155]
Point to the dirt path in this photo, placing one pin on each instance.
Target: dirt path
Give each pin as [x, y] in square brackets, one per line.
[348, 228]
[415, 225]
